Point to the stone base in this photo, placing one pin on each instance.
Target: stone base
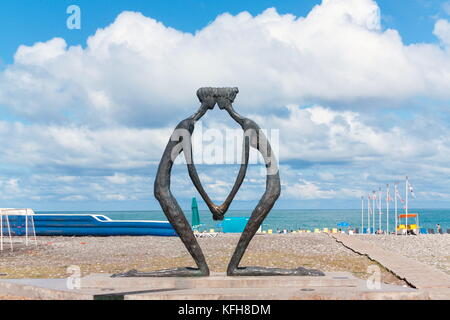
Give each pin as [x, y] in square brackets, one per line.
[334, 285]
[324, 293]
[219, 280]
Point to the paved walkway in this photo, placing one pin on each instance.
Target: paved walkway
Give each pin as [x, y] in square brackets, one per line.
[417, 274]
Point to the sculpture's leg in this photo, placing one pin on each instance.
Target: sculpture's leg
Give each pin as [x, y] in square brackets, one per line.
[256, 219]
[179, 222]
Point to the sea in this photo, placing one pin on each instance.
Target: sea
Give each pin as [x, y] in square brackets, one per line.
[287, 219]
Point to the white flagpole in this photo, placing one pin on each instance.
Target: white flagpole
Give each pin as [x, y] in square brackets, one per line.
[368, 213]
[362, 214]
[395, 207]
[387, 209]
[406, 205]
[379, 209]
[373, 210]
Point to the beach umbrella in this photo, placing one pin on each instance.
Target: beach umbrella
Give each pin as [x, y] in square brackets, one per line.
[343, 224]
[195, 215]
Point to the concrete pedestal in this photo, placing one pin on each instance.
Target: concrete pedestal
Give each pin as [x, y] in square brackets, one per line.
[334, 285]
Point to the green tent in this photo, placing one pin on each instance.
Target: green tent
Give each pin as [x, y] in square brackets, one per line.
[195, 215]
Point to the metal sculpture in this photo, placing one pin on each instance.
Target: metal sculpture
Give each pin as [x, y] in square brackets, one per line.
[180, 141]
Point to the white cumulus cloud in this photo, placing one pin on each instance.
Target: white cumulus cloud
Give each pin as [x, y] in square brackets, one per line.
[92, 119]
[137, 71]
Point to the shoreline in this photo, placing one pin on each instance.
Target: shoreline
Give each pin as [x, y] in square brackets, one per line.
[290, 219]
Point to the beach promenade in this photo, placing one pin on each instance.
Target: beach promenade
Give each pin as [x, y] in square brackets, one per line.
[417, 274]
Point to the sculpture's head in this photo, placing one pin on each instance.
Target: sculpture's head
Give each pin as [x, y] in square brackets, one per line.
[225, 96]
[207, 97]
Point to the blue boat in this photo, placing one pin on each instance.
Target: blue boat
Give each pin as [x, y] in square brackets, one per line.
[88, 225]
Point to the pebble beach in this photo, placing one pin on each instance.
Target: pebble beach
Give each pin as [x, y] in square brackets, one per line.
[53, 255]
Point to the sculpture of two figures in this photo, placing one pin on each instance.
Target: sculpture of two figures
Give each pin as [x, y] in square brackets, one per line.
[180, 141]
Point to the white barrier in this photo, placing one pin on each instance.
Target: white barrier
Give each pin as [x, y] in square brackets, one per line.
[4, 218]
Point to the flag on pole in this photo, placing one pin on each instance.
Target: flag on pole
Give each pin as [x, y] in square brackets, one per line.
[388, 196]
[378, 206]
[399, 196]
[411, 190]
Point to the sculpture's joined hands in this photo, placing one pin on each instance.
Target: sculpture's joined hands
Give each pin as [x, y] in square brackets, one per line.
[180, 141]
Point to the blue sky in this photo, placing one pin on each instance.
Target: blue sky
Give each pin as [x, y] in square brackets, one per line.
[29, 21]
[356, 89]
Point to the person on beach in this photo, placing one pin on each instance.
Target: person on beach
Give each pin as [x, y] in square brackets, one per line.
[438, 227]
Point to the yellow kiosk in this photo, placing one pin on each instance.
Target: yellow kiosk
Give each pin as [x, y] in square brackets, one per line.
[407, 227]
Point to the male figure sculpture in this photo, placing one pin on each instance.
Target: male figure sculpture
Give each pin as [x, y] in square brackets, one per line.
[180, 141]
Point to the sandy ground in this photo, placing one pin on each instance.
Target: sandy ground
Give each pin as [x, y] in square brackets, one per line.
[432, 249]
[54, 255]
